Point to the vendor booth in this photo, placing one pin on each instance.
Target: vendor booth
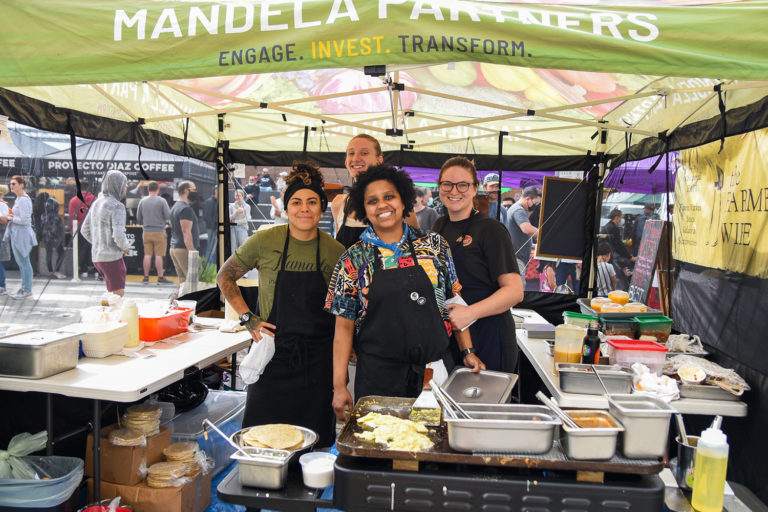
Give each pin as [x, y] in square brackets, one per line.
[516, 87]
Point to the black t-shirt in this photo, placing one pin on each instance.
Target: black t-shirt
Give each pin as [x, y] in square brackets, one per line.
[487, 247]
[183, 211]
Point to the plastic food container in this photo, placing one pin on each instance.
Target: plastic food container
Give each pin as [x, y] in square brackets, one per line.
[597, 303]
[224, 409]
[627, 352]
[154, 329]
[618, 326]
[657, 326]
[691, 375]
[619, 297]
[568, 342]
[317, 469]
[578, 319]
[646, 424]
[597, 438]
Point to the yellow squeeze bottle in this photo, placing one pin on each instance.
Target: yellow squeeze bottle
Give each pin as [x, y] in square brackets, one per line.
[709, 471]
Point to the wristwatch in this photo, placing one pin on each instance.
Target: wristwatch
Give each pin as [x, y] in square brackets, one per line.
[464, 353]
[249, 320]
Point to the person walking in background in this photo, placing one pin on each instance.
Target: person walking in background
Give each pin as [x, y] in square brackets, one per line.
[104, 228]
[185, 236]
[277, 210]
[52, 233]
[211, 219]
[5, 246]
[619, 252]
[77, 210]
[547, 281]
[520, 226]
[606, 274]
[153, 214]
[426, 215]
[239, 213]
[21, 235]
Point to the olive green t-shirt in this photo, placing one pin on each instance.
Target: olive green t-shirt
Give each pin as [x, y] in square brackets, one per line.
[263, 249]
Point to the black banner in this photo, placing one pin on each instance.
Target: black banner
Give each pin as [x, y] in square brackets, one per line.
[161, 171]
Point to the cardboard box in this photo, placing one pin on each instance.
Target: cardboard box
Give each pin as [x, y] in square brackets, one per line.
[123, 464]
[194, 496]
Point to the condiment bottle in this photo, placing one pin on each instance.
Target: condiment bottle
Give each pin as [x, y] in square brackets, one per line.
[709, 470]
[130, 315]
[590, 350]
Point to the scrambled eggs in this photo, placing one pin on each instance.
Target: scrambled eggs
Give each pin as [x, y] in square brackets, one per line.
[396, 433]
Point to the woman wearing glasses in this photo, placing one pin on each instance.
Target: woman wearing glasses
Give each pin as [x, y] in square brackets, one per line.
[485, 263]
[393, 283]
[21, 235]
[363, 151]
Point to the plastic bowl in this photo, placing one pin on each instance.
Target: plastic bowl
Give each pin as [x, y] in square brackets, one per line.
[691, 375]
[317, 469]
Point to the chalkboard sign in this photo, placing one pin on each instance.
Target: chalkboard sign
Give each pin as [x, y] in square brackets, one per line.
[562, 218]
[642, 275]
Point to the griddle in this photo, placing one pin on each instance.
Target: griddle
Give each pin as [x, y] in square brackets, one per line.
[441, 452]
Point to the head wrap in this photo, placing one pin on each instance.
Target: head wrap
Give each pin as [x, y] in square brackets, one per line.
[312, 185]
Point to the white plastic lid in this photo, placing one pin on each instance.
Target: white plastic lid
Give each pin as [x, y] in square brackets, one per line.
[714, 436]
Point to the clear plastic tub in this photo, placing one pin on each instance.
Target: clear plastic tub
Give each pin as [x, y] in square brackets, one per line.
[225, 409]
[657, 326]
[627, 352]
[579, 319]
[60, 477]
[618, 327]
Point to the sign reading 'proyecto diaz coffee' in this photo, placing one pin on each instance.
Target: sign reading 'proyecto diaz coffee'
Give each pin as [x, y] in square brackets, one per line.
[642, 276]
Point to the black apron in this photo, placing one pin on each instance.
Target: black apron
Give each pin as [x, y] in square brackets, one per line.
[402, 330]
[347, 235]
[487, 333]
[297, 385]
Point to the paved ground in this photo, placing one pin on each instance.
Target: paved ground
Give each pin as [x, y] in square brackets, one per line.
[57, 302]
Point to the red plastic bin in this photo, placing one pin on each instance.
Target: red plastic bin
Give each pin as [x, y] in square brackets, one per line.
[154, 329]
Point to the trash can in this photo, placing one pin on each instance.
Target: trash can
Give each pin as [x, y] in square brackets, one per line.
[60, 477]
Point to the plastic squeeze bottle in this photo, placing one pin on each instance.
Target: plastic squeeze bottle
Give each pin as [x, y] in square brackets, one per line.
[709, 471]
[590, 350]
[130, 315]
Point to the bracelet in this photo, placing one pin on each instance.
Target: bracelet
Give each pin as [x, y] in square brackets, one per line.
[464, 353]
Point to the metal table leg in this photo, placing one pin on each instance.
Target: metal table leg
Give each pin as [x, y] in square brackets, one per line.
[49, 423]
[233, 372]
[97, 451]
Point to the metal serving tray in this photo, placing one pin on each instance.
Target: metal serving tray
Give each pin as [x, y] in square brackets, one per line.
[646, 424]
[706, 391]
[579, 378]
[591, 443]
[484, 387]
[513, 428]
[37, 353]
[587, 310]
[310, 438]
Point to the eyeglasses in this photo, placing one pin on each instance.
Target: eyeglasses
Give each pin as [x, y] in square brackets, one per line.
[447, 186]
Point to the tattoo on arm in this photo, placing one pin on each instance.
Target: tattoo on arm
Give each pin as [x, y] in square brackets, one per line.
[227, 278]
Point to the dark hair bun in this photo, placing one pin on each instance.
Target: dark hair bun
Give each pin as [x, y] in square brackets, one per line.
[307, 172]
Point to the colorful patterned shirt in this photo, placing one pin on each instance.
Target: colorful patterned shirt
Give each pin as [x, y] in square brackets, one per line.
[355, 268]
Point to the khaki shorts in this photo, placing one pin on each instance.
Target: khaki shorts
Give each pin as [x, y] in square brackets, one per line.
[155, 243]
[180, 259]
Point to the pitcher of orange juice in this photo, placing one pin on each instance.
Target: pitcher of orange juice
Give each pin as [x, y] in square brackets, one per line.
[568, 342]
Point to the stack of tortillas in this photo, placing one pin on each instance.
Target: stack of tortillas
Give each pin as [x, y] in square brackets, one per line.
[144, 418]
[185, 453]
[276, 435]
[127, 437]
[167, 474]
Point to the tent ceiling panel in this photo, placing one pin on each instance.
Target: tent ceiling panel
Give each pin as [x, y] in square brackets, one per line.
[458, 75]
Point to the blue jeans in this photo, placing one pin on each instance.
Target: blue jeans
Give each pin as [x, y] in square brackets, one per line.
[22, 260]
[239, 236]
[564, 270]
[2, 275]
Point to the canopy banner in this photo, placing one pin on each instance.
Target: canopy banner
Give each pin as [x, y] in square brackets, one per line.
[50, 42]
[162, 171]
[721, 205]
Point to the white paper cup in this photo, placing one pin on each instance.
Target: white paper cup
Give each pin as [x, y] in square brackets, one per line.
[317, 469]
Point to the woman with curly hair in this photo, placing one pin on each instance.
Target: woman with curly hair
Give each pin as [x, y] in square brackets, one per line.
[295, 262]
[393, 283]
